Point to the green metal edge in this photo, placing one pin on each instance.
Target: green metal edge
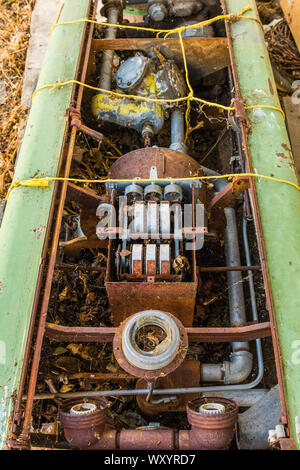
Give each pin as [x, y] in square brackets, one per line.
[279, 204]
[22, 232]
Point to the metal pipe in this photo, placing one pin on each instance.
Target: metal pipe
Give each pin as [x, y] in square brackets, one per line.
[177, 131]
[239, 366]
[252, 293]
[234, 278]
[107, 58]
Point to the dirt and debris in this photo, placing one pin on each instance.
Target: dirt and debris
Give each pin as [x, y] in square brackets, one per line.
[269, 10]
[15, 16]
[283, 50]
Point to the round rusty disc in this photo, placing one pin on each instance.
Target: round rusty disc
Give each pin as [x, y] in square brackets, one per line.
[150, 375]
[169, 164]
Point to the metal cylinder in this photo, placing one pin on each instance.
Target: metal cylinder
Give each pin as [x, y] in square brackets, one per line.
[177, 131]
[239, 366]
[107, 58]
[163, 353]
[209, 431]
[173, 192]
[83, 420]
[234, 278]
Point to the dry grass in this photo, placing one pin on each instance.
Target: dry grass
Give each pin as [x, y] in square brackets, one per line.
[15, 18]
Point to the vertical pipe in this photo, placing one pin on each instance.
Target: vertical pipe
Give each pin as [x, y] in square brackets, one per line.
[107, 59]
[177, 131]
[235, 280]
[252, 291]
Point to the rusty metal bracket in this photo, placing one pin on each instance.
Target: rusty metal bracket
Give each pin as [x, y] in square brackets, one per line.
[201, 335]
[227, 196]
[76, 122]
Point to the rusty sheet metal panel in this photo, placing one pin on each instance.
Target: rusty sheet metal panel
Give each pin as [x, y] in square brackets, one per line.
[126, 298]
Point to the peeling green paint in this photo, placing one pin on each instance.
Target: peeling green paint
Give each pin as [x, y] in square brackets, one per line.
[22, 232]
[279, 205]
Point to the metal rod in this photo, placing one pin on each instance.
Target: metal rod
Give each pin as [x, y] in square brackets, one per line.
[145, 391]
[211, 269]
[177, 131]
[252, 292]
[108, 55]
[235, 280]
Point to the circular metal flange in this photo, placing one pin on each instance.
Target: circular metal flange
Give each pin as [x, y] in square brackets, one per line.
[212, 408]
[153, 192]
[131, 72]
[165, 358]
[83, 408]
[173, 192]
[134, 192]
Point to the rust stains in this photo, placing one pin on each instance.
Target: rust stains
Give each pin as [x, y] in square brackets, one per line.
[281, 155]
[39, 230]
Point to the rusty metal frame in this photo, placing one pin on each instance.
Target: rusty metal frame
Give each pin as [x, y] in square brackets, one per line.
[244, 131]
[55, 239]
[63, 333]
[79, 334]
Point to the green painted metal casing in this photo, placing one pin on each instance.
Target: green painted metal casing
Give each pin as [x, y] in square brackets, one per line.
[279, 204]
[22, 232]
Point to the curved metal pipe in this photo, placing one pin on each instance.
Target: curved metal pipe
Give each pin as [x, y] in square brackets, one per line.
[239, 366]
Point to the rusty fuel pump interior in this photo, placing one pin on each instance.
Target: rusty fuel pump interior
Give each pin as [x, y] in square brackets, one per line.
[154, 256]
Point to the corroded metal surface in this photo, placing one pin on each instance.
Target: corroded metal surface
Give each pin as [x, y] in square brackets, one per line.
[169, 163]
[150, 375]
[188, 372]
[209, 431]
[206, 55]
[126, 298]
[202, 335]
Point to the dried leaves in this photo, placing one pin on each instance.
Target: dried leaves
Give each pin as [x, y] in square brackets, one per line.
[283, 50]
[14, 36]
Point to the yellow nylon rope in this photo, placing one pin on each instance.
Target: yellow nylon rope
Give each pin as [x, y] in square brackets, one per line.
[231, 17]
[45, 181]
[190, 97]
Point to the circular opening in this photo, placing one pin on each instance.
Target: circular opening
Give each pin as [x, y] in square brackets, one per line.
[83, 408]
[212, 408]
[150, 340]
[149, 337]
